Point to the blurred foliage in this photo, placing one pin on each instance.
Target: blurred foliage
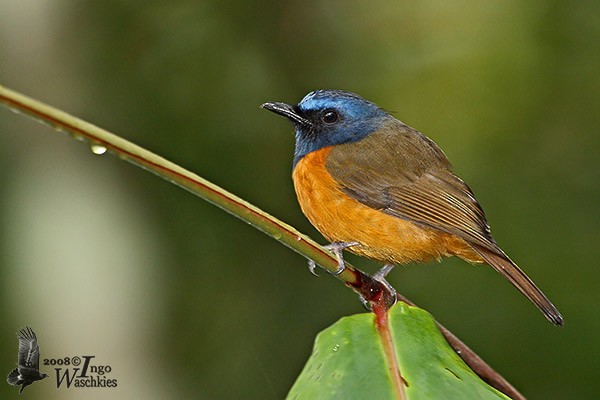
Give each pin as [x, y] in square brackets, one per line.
[510, 91]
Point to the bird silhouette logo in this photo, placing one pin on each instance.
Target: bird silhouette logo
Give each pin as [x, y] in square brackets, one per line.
[28, 366]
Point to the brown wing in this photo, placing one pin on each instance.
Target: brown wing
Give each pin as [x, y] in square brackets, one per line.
[442, 201]
[402, 173]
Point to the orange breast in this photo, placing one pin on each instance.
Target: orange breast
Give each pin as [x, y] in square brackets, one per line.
[381, 236]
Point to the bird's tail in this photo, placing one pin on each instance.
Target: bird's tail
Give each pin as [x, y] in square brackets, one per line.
[13, 377]
[508, 269]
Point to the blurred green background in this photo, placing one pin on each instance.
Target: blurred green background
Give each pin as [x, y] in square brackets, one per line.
[184, 301]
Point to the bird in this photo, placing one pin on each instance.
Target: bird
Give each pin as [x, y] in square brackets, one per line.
[374, 186]
[28, 366]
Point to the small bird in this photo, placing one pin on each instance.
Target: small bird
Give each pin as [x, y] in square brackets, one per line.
[379, 188]
[28, 367]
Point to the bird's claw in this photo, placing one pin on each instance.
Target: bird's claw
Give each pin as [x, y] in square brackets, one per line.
[336, 248]
[380, 277]
[312, 266]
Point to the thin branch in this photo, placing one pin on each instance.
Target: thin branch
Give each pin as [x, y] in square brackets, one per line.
[364, 284]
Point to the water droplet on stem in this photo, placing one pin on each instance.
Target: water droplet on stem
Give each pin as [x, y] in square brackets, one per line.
[98, 149]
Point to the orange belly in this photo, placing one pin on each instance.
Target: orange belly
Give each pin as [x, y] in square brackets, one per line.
[382, 237]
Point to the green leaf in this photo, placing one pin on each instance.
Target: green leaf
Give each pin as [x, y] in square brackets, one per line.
[348, 362]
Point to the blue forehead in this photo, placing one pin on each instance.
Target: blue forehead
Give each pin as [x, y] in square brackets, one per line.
[349, 103]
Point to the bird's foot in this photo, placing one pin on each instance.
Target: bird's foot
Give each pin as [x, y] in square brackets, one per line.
[337, 249]
[379, 276]
[382, 273]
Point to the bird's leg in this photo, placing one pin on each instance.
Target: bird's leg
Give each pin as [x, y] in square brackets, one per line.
[382, 273]
[337, 249]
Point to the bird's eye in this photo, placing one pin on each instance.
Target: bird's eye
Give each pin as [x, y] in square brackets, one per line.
[330, 116]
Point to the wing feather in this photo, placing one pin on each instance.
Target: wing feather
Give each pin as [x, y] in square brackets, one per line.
[29, 351]
[447, 205]
[409, 178]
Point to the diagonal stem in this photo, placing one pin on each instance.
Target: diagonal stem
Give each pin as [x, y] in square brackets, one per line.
[373, 291]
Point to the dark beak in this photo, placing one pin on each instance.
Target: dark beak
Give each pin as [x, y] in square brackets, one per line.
[287, 111]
